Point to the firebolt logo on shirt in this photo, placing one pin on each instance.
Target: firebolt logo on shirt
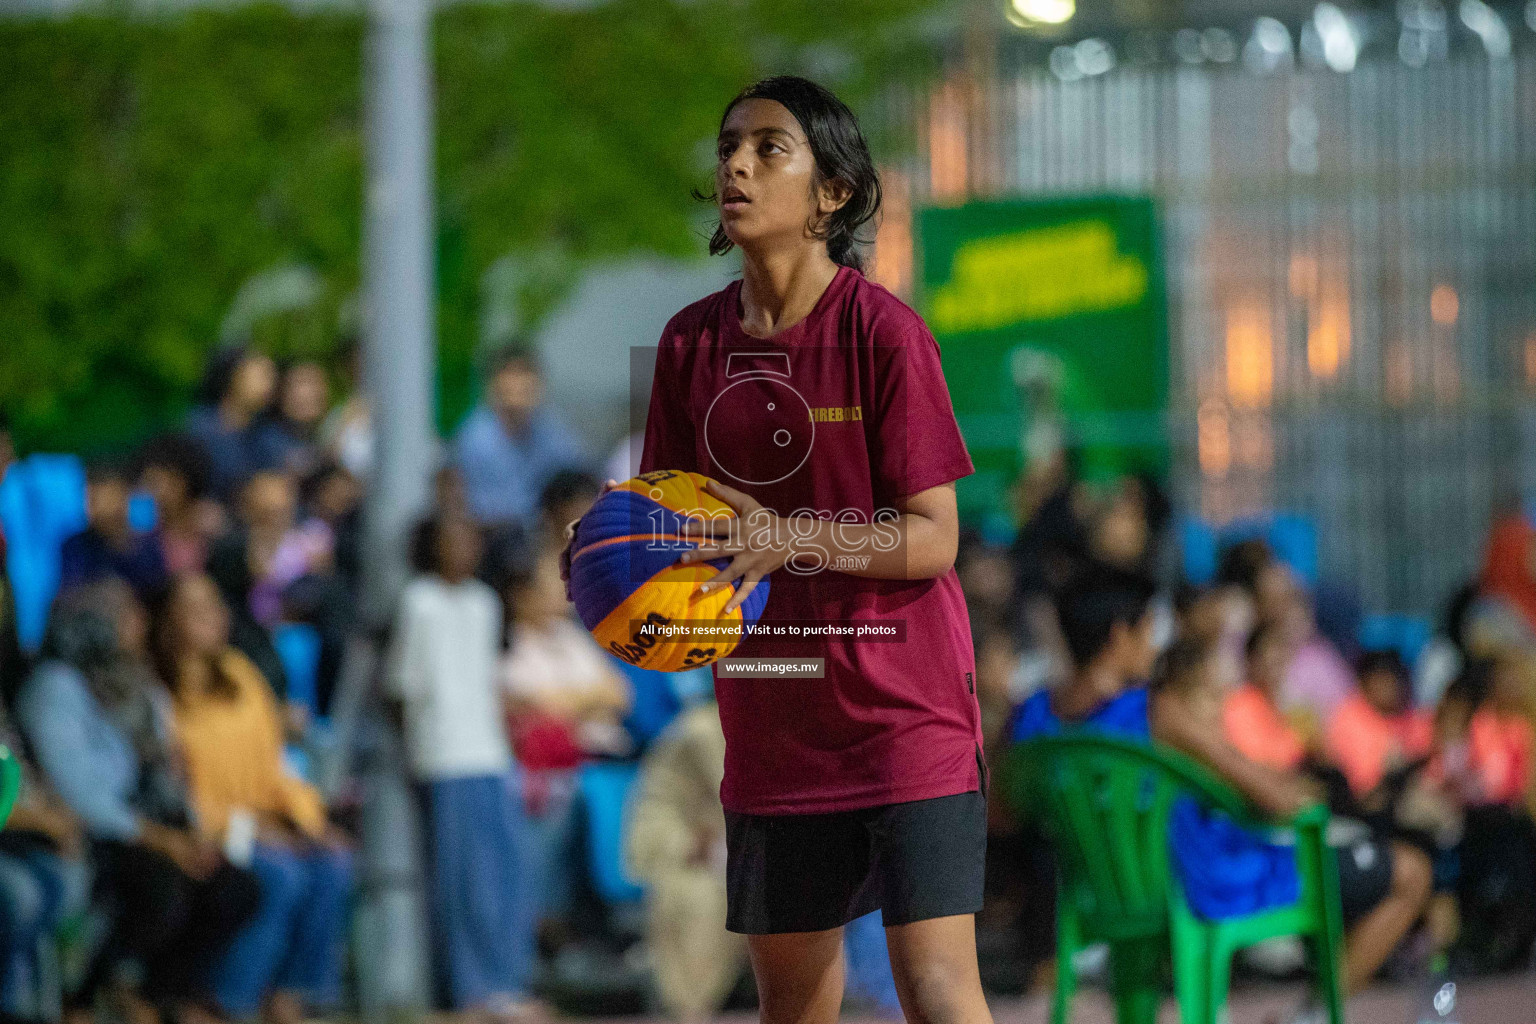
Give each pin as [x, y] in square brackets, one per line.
[836, 413]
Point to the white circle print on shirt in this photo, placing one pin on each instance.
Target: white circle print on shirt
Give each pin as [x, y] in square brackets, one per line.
[759, 429]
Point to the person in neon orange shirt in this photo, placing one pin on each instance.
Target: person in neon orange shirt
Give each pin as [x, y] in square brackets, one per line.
[1502, 739]
[1251, 716]
[1375, 731]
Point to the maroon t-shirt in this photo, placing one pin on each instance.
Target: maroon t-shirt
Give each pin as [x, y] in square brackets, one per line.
[842, 414]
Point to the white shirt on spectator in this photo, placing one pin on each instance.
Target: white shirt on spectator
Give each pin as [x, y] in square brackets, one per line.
[442, 664]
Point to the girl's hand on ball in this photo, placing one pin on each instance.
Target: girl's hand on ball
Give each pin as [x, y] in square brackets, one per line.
[750, 563]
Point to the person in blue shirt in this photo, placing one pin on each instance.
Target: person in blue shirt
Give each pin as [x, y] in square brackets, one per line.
[1108, 626]
[1384, 884]
[1225, 870]
[512, 444]
[108, 546]
[228, 421]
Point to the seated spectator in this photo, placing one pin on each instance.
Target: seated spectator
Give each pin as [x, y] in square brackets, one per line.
[108, 546]
[1509, 568]
[1251, 717]
[228, 422]
[442, 671]
[273, 569]
[293, 423]
[1224, 616]
[675, 847]
[564, 499]
[104, 745]
[512, 444]
[1120, 534]
[554, 672]
[43, 879]
[13, 664]
[1225, 870]
[272, 551]
[1384, 885]
[174, 471]
[228, 722]
[1317, 678]
[986, 578]
[1483, 756]
[565, 701]
[1501, 736]
[347, 432]
[1108, 624]
[332, 495]
[1375, 731]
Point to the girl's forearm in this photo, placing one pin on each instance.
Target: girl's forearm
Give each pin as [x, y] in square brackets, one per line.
[907, 547]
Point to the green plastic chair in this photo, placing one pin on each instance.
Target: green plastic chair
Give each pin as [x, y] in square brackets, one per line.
[1105, 804]
[10, 783]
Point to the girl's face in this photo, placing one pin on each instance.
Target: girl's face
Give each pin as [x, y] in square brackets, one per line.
[199, 619]
[765, 177]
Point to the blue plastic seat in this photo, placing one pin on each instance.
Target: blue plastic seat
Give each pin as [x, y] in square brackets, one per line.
[1408, 635]
[298, 648]
[1290, 535]
[1199, 550]
[604, 788]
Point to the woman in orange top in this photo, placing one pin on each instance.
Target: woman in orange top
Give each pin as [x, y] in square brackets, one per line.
[1251, 716]
[1502, 741]
[231, 732]
[1374, 731]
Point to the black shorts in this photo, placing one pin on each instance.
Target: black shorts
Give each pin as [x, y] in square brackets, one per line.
[1365, 875]
[810, 872]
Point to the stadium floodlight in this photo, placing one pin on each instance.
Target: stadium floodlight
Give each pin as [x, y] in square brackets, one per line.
[1340, 45]
[1038, 13]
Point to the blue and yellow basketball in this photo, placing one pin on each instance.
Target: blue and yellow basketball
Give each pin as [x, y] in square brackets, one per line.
[628, 588]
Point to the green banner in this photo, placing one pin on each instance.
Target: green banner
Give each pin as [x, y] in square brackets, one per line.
[1052, 319]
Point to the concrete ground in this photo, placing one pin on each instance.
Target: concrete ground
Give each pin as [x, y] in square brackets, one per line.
[1508, 1000]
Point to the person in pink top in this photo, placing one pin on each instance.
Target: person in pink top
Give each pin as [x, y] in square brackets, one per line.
[1251, 716]
[816, 399]
[1374, 731]
[1501, 738]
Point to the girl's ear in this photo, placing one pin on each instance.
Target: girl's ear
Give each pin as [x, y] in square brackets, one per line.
[834, 193]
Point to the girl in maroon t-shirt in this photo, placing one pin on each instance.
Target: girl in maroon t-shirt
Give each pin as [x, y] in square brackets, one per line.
[816, 399]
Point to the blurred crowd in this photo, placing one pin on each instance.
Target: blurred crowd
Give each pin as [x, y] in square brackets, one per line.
[1422, 750]
[169, 857]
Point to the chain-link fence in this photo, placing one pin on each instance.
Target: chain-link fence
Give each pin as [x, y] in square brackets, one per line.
[1351, 263]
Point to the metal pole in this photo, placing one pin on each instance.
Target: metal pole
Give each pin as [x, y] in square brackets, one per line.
[399, 345]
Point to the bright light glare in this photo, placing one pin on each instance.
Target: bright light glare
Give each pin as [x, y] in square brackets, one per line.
[1029, 13]
[1340, 47]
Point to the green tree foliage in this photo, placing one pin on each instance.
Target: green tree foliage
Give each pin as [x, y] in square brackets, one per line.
[150, 168]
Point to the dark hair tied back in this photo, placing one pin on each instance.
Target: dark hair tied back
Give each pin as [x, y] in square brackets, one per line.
[840, 152]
